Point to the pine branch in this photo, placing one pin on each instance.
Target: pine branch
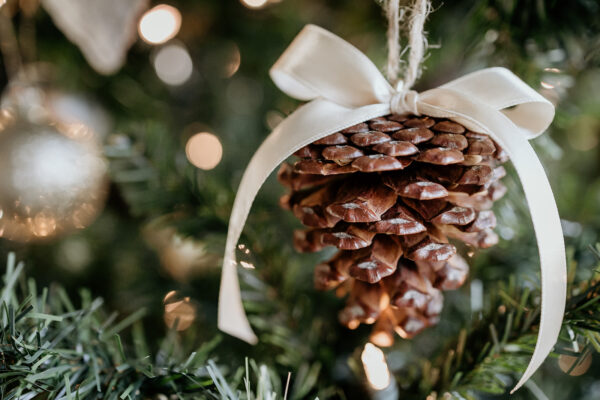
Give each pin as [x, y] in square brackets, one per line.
[51, 348]
[501, 343]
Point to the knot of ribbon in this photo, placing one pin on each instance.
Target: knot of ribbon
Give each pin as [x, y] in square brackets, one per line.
[404, 101]
[343, 88]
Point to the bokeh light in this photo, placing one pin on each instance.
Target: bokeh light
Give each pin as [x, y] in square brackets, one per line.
[173, 64]
[575, 366]
[376, 368]
[182, 257]
[273, 118]
[179, 313]
[159, 24]
[382, 337]
[583, 133]
[74, 254]
[204, 150]
[79, 111]
[232, 61]
[254, 3]
[247, 265]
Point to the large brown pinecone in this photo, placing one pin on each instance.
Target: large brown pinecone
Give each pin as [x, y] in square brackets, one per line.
[388, 193]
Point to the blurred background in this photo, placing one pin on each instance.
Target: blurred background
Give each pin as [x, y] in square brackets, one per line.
[161, 107]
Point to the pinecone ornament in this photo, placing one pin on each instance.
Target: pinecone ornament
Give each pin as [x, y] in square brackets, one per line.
[389, 193]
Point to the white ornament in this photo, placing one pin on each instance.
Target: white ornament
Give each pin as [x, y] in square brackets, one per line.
[52, 176]
[102, 29]
[73, 108]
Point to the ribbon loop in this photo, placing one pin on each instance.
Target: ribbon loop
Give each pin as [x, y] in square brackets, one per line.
[347, 88]
[504, 91]
[306, 74]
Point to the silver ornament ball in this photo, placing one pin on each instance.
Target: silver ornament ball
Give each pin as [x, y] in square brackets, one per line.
[52, 178]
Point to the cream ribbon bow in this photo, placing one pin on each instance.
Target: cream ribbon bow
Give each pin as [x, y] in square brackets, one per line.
[346, 88]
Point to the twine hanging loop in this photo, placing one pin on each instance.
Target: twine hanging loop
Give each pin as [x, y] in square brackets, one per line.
[405, 100]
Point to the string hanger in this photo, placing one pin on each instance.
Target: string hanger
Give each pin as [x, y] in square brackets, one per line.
[417, 12]
[9, 45]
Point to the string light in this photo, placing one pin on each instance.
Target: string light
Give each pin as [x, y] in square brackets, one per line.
[376, 368]
[204, 150]
[254, 3]
[159, 24]
[173, 64]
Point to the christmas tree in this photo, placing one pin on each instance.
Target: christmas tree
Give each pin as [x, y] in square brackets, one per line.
[134, 123]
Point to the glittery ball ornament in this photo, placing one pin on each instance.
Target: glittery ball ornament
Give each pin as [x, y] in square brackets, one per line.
[52, 175]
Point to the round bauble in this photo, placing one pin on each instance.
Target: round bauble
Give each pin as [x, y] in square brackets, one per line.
[73, 108]
[52, 177]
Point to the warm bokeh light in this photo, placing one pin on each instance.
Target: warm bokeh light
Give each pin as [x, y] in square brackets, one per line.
[254, 3]
[575, 366]
[232, 61]
[382, 338]
[375, 366]
[74, 254]
[180, 312]
[43, 225]
[182, 256]
[159, 24]
[547, 85]
[80, 113]
[173, 64]
[204, 150]
[247, 265]
[242, 247]
[273, 118]
[583, 133]
[7, 118]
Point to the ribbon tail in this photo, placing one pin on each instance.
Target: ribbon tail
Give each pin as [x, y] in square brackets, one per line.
[478, 116]
[546, 222]
[232, 317]
[311, 122]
